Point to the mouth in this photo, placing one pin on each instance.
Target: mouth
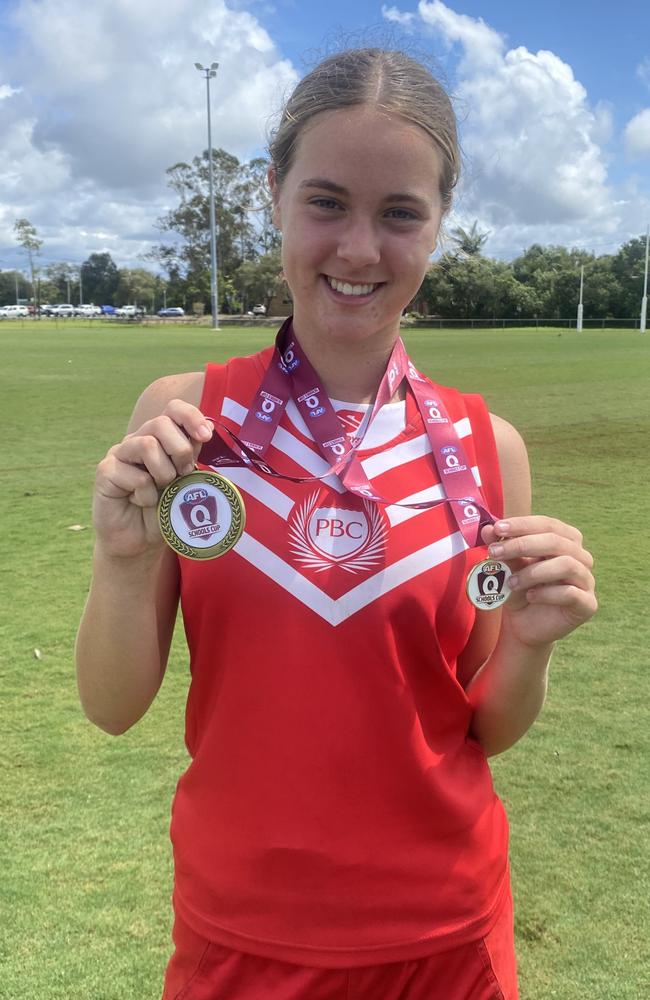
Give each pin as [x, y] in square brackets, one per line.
[350, 290]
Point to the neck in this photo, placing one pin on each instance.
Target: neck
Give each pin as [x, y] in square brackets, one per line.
[351, 372]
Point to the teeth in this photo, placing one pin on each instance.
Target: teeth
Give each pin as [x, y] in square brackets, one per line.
[347, 289]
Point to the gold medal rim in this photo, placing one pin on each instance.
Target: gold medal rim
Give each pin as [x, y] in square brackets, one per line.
[475, 569]
[233, 499]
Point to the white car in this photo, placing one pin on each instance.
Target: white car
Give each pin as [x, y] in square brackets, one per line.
[87, 311]
[13, 312]
[62, 310]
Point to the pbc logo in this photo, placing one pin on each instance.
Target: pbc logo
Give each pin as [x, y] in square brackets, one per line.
[199, 511]
[322, 537]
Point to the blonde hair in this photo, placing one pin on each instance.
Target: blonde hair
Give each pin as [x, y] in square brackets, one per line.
[386, 79]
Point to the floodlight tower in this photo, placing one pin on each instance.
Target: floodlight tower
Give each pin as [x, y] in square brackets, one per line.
[644, 300]
[210, 72]
[582, 277]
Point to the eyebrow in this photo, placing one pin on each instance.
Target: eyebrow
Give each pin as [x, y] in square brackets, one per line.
[324, 184]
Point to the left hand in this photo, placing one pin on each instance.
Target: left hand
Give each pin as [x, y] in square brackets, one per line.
[553, 589]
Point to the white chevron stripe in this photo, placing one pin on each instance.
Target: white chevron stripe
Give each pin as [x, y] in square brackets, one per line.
[408, 451]
[337, 611]
[262, 489]
[397, 515]
[285, 442]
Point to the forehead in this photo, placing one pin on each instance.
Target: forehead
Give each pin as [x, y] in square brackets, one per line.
[367, 145]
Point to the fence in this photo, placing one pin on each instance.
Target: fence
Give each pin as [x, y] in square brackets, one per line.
[479, 324]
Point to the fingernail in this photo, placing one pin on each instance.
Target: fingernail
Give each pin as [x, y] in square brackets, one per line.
[513, 581]
[496, 550]
[187, 469]
[502, 527]
[205, 432]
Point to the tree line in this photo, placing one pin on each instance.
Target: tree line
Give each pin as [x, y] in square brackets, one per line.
[463, 283]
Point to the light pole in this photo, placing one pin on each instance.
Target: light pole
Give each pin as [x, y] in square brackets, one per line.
[582, 275]
[644, 300]
[211, 72]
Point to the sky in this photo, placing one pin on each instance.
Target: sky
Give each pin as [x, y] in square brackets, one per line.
[99, 97]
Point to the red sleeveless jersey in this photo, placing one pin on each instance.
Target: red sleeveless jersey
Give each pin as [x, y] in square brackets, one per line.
[334, 812]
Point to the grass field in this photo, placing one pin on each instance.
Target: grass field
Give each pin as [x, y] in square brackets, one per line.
[84, 850]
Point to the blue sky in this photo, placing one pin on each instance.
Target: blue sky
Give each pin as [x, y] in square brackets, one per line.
[98, 98]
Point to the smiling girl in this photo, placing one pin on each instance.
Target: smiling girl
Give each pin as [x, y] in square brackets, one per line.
[336, 833]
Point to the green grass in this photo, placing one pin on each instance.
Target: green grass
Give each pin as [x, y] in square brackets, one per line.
[86, 862]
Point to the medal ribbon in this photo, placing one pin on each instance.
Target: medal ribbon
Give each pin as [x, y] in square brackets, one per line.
[290, 375]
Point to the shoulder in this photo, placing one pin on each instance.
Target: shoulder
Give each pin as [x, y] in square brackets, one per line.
[515, 469]
[187, 386]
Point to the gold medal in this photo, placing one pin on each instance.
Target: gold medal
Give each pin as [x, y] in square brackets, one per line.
[201, 515]
[487, 584]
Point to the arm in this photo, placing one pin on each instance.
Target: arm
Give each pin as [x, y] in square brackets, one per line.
[553, 594]
[127, 625]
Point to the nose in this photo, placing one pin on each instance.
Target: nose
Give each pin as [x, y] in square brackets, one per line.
[359, 243]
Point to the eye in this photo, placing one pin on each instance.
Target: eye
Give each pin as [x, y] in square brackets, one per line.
[401, 215]
[326, 204]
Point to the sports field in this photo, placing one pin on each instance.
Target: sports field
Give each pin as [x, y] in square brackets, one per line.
[84, 850]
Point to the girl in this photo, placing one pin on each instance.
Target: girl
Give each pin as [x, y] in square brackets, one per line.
[337, 833]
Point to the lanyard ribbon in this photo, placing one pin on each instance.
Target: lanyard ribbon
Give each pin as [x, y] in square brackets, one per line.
[290, 375]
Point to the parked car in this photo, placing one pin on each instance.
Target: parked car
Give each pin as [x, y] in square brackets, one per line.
[171, 311]
[108, 310]
[87, 311]
[129, 311]
[62, 310]
[14, 312]
[259, 310]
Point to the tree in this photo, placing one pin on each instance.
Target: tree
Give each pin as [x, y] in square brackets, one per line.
[628, 269]
[62, 277]
[259, 279]
[188, 262]
[243, 214]
[28, 238]
[11, 283]
[468, 243]
[553, 273]
[137, 286]
[475, 288]
[100, 279]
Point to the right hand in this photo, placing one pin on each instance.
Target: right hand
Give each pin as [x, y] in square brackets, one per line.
[129, 479]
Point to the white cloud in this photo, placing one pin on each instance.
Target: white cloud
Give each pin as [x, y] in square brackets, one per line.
[637, 135]
[535, 164]
[397, 16]
[643, 71]
[109, 98]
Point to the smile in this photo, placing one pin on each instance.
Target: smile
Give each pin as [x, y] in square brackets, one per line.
[345, 288]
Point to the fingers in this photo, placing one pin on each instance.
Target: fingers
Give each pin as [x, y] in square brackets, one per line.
[534, 524]
[147, 460]
[535, 537]
[551, 569]
[569, 571]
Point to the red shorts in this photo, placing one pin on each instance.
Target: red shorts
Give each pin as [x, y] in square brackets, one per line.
[481, 970]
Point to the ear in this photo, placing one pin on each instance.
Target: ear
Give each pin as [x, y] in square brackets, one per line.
[274, 188]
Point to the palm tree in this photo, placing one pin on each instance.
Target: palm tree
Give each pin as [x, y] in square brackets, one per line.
[468, 242]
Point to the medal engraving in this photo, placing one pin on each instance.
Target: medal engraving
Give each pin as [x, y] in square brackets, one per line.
[487, 584]
[201, 515]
